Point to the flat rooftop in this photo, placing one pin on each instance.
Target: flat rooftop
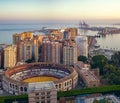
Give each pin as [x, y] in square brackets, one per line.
[41, 86]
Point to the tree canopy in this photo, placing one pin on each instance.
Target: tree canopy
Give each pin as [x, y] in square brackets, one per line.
[115, 59]
[112, 73]
[99, 61]
[82, 58]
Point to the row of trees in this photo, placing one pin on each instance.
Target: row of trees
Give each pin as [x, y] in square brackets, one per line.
[115, 59]
[108, 69]
[104, 90]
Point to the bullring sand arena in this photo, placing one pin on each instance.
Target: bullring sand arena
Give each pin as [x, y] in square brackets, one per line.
[17, 79]
[40, 79]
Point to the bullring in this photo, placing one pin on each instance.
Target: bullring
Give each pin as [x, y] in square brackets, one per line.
[13, 79]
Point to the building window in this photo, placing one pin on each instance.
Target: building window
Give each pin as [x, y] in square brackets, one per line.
[37, 98]
[48, 97]
[59, 85]
[10, 85]
[94, 85]
[28, 47]
[56, 86]
[65, 83]
[42, 93]
[70, 82]
[48, 93]
[42, 101]
[37, 94]
[25, 89]
[42, 97]
[13, 85]
[48, 101]
[21, 88]
[16, 87]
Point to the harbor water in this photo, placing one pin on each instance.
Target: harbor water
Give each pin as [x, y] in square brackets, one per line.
[110, 41]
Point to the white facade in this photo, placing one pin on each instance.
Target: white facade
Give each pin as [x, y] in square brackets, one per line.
[69, 55]
[82, 45]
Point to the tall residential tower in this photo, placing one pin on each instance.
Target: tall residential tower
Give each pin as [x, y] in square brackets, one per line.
[51, 51]
[69, 54]
[82, 45]
[10, 56]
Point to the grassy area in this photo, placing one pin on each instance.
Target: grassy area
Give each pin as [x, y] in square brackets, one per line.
[103, 89]
[9, 99]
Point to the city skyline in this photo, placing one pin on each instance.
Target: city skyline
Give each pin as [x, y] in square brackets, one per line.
[66, 10]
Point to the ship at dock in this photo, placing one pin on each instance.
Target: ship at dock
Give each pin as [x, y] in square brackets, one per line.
[83, 25]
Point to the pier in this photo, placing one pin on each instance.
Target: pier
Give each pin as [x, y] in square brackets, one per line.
[101, 30]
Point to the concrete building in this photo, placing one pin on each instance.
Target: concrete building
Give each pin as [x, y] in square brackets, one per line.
[90, 98]
[56, 48]
[2, 46]
[108, 98]
[24, 50]
[1, 58]
[89, 78]
[22, 36]
[66, 35]
[69, 54]
[16, 38]
[40, 38]
[51, 51]
[42, 92]
[28, 49]
[46, 56]
[82, 45]
[106, 52]
[10, 56]
[72, 32]
[57, 33]
[35, 48]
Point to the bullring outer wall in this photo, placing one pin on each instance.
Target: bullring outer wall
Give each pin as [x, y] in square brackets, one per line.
[65, 82]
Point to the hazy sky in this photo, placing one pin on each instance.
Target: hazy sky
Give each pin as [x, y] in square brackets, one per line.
[59, 9]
